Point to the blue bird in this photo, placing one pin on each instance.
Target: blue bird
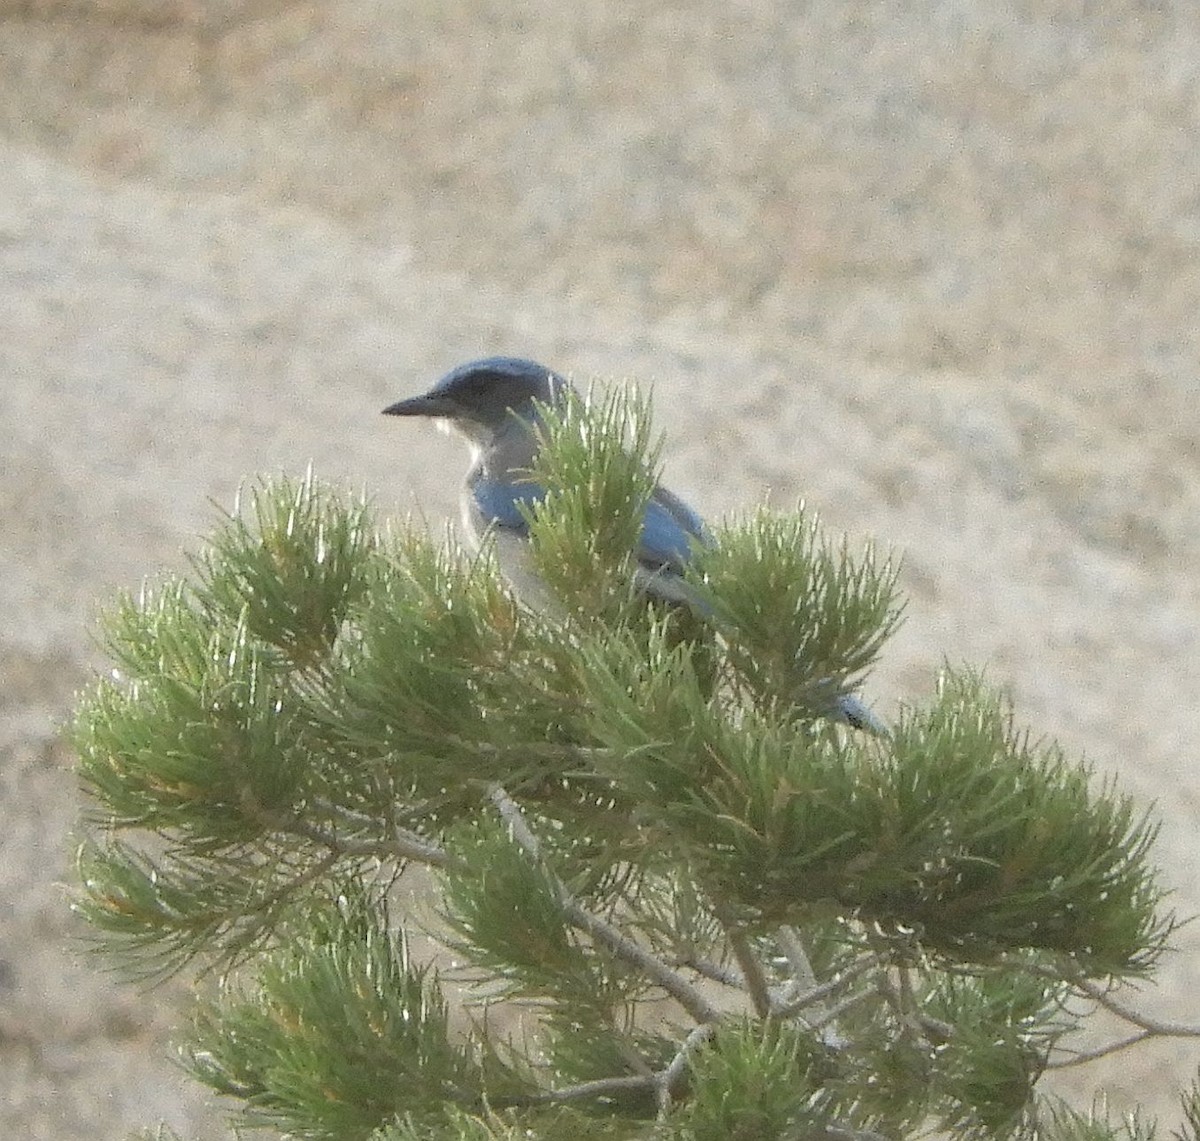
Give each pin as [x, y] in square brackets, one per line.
[493, 404]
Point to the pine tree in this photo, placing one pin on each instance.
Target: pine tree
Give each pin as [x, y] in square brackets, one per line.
[719, 914]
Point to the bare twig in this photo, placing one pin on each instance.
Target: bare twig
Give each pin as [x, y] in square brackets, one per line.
[402, 845]
[512, 815]
[803, 978]
[830, 1016]
[1147, 1026]
[845, 1133]
[1152, 1026]
[907, 1004]
[824, 990]
[752, 970]
[670, 1077]
[903, 1001]
[664, 1084]
[717, 972]
[1080, 1057]
[598, 1088]
[601, 931]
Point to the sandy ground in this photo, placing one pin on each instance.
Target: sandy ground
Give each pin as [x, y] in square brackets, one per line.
[932, 266]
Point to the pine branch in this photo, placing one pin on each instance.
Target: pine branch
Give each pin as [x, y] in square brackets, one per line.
[822, 991]
[902, 999]
[829, 1017]
[1147, 1027]
[401, 845]
[663, 1083]
[604, 933]
[1082, 1057]
[601, 1087]
[323, 707]
[743, 952]
[669, 1079]
[803, 978]
[1152, 1026]
[715, 972]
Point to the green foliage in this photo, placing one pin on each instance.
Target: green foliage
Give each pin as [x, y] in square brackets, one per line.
[439, 676]
[959, 827]
[338, 1032]
[1017, 849]
[294, 572]
[803, 620]
[727, 916]
[1000, 1030]
[154, 913]
[755, 1081]
[554, 1124]
[1190, 1131]
[584, 532]
[202, 739]
[1059, 1122]
[505, 909]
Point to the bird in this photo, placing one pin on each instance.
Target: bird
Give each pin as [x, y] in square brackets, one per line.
[495, 405]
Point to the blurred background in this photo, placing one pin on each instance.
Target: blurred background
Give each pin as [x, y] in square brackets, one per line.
[931, 266]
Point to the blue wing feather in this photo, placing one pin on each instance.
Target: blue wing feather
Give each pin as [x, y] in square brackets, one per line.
[670, 532]
[498, 502]
[670, 528]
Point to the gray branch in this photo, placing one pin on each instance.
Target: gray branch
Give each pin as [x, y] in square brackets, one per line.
[601, 931]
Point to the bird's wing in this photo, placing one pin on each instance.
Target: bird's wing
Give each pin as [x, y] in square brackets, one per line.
[497, 503]
[670, 528]
[850, 709]
[670, 531]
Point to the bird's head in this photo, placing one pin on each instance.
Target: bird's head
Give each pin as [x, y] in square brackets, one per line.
[481, 398]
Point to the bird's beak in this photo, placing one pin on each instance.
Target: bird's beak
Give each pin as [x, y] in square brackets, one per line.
[428, 405]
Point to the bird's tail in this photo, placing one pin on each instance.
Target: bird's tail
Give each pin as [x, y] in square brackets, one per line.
[855, 714]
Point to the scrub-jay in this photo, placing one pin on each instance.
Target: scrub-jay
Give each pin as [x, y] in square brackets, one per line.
[493, 404]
